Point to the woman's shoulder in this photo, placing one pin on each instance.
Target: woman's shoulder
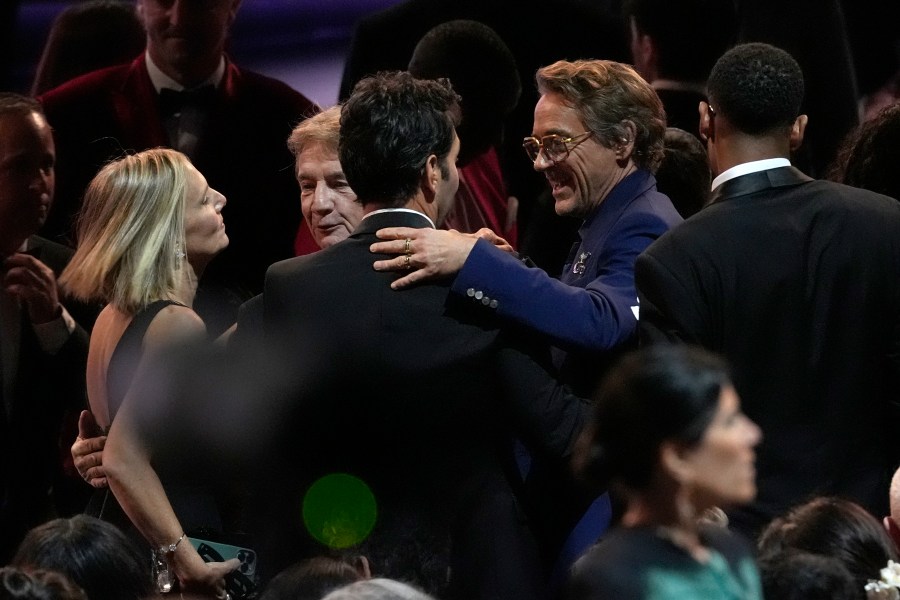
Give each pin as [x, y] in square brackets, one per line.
[174, 323]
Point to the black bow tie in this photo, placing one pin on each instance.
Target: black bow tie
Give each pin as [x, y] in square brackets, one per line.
[172, 102]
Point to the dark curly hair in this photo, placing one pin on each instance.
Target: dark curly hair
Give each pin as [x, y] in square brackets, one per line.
[832, 527]
[390, 125]
[757, 87]
[867, 158]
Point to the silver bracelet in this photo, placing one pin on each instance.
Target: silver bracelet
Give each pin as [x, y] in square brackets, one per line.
[163, 550]
[161, 574]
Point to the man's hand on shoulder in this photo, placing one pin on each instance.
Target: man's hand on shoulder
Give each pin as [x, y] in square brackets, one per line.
[427, 254]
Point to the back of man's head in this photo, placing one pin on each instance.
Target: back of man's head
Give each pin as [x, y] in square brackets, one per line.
[390, 125]
[482, 70]
[757, 87]
[689, 35]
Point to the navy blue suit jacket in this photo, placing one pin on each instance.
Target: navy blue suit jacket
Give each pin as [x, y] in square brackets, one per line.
[592, 309]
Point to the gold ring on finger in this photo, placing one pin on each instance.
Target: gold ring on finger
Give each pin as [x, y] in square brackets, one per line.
[407, 264]
[408, 251]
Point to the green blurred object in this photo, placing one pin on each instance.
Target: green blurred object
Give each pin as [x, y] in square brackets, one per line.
[339, 510]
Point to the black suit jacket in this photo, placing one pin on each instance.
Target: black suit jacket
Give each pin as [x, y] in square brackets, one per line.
[797, 283]
[46, 386]
[417, 393]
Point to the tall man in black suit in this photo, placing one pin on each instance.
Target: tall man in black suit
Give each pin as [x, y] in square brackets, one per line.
[417, 394]
[43, 352]
[797, 283]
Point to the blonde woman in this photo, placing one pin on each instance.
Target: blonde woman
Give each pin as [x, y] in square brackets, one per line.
[150, 225]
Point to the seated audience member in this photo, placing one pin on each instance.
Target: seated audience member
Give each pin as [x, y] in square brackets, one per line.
[85, 37]
[832, 527]
[378, 589]
[311, 579]
[22, 584]
[150, 225]
[94, 554]
[868, 157]
[805, 576]
[669, 437]
[43, 349]
[483, 72]
[684, 175]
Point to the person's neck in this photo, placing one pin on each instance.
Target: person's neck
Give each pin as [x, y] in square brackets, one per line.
[190, 74]
[660, 510]
[749, 149]
[186, 287]
[417, 203]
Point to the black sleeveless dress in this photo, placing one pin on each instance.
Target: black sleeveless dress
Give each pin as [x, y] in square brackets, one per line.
[194, 505]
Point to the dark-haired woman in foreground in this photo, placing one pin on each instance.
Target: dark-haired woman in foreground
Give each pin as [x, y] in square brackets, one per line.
[670, 439]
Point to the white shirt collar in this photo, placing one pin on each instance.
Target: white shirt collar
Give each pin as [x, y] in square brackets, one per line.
[749, 167]
[409, 210]
[160, 80]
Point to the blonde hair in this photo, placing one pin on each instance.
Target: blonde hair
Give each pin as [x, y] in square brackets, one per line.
[131, 232]
[606, 94]
[322, 129]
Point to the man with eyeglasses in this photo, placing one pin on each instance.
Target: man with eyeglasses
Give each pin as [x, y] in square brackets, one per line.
[597, 138]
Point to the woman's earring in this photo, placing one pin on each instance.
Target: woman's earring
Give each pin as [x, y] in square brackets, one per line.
[179, 253]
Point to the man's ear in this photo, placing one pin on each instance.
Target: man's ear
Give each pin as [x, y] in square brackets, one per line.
[707, 122]
[430, 176]
[797, 131]
[624, 146]
[673, 460]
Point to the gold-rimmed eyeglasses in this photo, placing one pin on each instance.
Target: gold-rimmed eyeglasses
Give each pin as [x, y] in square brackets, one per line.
[556, 148]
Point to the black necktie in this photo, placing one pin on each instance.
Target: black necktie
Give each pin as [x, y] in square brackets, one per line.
[172, 102]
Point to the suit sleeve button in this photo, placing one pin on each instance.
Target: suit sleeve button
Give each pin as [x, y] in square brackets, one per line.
[479, 295]
[470, 292]
[493, 304]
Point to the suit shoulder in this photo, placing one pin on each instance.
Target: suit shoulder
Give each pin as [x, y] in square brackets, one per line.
[651, 212]
[275, 93]
[83, 87]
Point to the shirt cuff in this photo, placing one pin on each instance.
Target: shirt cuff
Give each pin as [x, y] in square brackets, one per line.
[53, 335]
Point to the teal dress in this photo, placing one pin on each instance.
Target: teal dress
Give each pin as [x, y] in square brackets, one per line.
[639, 564]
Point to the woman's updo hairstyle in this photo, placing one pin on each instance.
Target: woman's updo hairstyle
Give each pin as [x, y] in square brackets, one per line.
[664, 392]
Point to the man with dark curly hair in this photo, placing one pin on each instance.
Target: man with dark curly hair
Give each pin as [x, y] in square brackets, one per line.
[796, 282]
